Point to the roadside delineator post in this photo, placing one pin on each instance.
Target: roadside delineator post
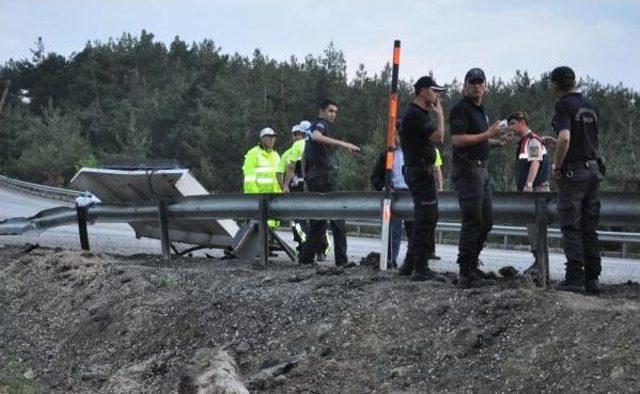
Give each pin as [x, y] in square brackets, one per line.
[391, 135]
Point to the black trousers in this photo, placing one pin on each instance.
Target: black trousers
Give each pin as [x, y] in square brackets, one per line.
[422, 185]
[472, 186]
[323, 182]
[579, 211]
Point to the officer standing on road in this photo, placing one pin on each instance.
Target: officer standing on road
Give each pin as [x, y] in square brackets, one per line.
[321, 176]
[290, 170]
[531, 169]
[260, 167]
[578, 171]
[470, 135]
[417, 136]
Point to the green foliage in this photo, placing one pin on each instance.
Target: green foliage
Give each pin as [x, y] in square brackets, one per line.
[48, 148]
[89, 161]
[135, 98]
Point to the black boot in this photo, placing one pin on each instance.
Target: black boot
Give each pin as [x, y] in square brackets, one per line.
[490, 275]
[406, 268]
[421, 273]
[592, 287]
[573, 278]
[471, 276]
[426, 274]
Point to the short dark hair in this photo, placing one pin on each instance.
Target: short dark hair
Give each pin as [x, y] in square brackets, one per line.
[564, 77]
[518, 115]
[326, 103]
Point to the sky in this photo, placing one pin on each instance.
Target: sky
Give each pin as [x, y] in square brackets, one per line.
[599, 39]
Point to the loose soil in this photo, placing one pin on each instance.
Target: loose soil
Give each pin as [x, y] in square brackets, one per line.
[75, 321]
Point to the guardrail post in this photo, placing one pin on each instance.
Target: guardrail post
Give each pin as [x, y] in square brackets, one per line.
[83, 215]
[542, 244]
[263, 231]
[163, 220]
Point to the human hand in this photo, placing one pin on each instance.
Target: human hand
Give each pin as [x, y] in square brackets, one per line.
[527, 188]
[351, 147]
[549, 140]
[437, 107]
[495, 130]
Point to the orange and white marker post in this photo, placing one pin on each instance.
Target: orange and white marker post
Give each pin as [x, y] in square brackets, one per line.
[391, 135]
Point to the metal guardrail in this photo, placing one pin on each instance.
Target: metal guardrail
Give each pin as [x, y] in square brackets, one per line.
[40, 190]
[510, 208]
[623, 238]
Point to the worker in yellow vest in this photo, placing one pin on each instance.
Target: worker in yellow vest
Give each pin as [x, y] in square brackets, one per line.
[260, 167]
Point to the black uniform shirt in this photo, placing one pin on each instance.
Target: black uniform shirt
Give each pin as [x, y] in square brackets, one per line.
[316, 153]
[414, 137]
[468, 118]
[575, 113]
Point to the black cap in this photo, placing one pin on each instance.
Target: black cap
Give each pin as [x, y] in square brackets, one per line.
[562, 73]
[474, 74]
[427, 82]
[518, 115]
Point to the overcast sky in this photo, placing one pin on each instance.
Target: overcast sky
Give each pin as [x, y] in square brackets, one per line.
[596, 38]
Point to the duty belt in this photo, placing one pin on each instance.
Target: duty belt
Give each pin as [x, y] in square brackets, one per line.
[580, 165]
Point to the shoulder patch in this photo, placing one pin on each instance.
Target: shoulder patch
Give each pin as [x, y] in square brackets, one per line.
[534, 150]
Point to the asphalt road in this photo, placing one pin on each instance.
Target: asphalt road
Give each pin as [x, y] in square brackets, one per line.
[120, 239]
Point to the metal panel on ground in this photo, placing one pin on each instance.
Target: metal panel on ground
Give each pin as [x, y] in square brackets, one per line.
[137, 187]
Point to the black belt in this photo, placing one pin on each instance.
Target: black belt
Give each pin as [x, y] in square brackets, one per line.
[580, 165]
[472, 163]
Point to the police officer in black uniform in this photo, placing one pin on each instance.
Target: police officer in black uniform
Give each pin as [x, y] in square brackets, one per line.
[578, 171]
[321, 176]
[470, 136]
[418, 135]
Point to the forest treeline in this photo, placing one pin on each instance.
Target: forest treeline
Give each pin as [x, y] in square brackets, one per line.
[135, 99]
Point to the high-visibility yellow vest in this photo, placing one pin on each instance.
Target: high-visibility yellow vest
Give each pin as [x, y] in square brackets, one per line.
[260, 168]
[291, 155]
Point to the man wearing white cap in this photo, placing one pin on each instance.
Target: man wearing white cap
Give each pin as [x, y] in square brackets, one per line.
[261, 166]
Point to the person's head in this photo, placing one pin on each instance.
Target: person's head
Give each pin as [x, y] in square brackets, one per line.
[297, 132]
[427, 91]
[518, 122]
[563, 81]
[267, 138]
[475, 84]
[328, 110]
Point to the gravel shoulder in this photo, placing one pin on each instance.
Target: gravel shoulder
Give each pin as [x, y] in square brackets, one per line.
[75, 321]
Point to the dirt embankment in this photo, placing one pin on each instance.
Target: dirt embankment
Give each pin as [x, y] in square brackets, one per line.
[80, 322]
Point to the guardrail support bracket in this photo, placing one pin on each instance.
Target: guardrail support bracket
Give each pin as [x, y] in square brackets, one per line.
[163, 220]
[542, 244]
[83, 215]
